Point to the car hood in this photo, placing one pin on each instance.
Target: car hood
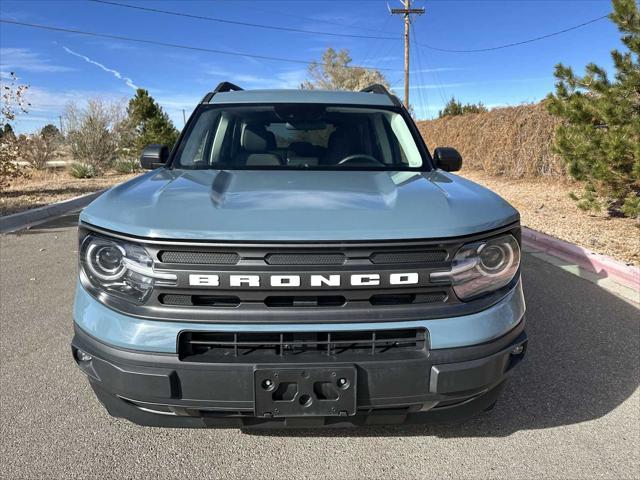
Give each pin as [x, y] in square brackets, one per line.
[262, 205]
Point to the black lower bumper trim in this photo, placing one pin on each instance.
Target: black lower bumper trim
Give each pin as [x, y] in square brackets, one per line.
[463, 410]
[160, 390]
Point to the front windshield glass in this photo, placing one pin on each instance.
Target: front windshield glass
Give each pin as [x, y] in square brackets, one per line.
[298, 136]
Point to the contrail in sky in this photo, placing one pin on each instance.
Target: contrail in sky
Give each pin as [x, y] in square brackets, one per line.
[115, 73]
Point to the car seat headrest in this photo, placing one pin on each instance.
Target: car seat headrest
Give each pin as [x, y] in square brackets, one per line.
[255, 138]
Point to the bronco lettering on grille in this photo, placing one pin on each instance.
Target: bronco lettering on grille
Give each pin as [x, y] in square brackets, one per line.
[356, 280]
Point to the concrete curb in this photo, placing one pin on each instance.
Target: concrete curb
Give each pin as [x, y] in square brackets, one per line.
[20, 220]
[601, 265]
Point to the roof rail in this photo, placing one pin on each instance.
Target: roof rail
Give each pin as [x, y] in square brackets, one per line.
[382, 90]
[221, 88]
[226, 87]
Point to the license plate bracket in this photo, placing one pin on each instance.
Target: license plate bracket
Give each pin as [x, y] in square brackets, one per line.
[302, 392]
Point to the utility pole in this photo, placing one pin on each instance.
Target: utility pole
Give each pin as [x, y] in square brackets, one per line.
[407, 11]
[184, 117]
[60, 119]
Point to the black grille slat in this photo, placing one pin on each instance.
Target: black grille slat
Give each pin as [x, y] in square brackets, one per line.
[305, 259]
[199, 300]
[429, 256]
[177, 300]
[407, 298]
[301, 301]
[199, 258]
[247, 343]
[299, 259]
[215, 346]
[305, 301]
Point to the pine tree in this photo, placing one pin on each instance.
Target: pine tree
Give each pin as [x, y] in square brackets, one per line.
[455, 107]
[600, 136]
[149, 122]
[50, 131]
[8, 131]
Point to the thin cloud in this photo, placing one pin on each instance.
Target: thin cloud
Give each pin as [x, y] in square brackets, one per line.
[283, 79]
[115, 73]
[53, 102]
[25, 60]
[433, 86]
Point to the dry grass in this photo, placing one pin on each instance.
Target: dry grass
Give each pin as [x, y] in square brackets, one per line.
[514, 141]
[544, 205]
[49, 186]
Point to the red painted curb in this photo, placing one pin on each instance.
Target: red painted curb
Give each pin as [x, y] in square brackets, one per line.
[594, 262]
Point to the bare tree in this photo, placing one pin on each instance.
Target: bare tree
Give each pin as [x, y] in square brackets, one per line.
[94, 132]
[13, 102]
[334, 72]
[13, 98]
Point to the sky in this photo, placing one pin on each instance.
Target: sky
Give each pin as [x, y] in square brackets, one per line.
[63, 67]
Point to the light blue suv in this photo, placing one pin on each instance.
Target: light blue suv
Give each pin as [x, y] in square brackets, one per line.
[298, 259]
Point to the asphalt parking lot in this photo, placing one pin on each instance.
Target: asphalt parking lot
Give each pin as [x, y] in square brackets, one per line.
[571, 411]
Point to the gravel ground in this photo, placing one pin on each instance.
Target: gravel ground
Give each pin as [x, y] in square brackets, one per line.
[544, 205]
[50, 186]
[570, 411]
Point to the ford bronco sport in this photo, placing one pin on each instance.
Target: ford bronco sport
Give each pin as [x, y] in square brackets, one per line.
[298, 259]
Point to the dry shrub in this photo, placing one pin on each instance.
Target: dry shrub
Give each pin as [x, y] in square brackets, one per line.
[94, 132]
[39, 149]
[513, 141]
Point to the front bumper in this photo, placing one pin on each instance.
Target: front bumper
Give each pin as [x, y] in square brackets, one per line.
[152, 335]
[156, 389]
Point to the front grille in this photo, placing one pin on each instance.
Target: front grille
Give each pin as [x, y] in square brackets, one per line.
[217, 346]
[316, 281]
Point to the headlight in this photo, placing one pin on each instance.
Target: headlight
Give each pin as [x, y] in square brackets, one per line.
[119, 269]
[482, 267]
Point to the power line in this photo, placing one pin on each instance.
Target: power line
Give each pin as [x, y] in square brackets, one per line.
[507, 45]
[234, 22]
[172, 45]
[279, 13]
[432, 71]
[423, 95]
[431, 1]
[368, 37]
[373, 46]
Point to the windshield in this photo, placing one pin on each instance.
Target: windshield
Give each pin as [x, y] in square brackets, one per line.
[298, 136]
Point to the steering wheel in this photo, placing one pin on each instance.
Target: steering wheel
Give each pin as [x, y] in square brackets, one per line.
[361, 159]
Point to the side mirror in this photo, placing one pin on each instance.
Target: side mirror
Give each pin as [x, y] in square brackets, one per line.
[154, 156]
[448, 159]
